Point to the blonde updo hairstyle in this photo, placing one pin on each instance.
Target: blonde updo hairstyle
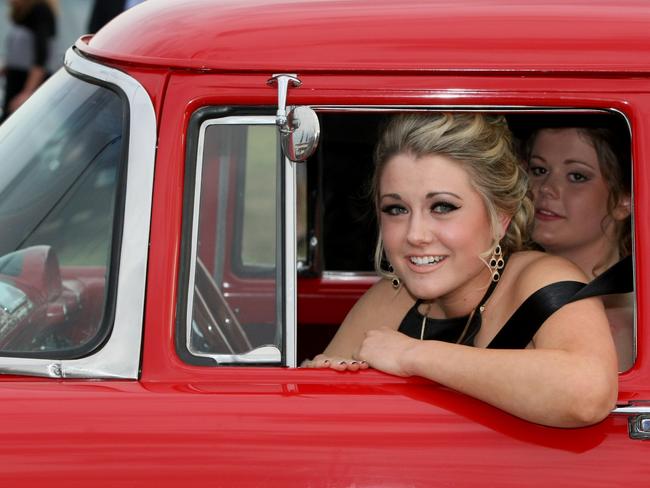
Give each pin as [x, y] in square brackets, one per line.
[482, 145]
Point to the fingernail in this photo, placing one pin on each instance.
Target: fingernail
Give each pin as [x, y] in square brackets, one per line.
[327, 361]
[342, 363]
[353, 362]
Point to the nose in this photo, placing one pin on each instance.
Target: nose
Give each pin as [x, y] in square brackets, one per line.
[547, 186]
[420, 230]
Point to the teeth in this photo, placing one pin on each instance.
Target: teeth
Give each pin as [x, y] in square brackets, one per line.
[421, 260]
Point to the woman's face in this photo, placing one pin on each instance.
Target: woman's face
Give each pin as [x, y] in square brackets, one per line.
[434, 226]
[570, 194]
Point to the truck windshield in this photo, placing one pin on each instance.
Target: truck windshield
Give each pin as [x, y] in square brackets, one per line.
[60, 160]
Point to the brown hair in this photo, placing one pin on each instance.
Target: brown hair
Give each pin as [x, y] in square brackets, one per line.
[614, 161]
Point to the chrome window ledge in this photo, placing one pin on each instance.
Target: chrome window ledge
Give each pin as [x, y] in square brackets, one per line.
[632, 410]
[350, 275]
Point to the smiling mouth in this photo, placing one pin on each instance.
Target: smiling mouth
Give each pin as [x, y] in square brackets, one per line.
[543, 213]
[426, 260]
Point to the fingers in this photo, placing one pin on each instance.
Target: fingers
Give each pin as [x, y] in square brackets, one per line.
[349, 365]
[320, 361]
[336, 363]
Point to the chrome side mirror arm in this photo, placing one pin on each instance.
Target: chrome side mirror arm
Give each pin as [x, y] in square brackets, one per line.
[299, 127]
[283, 81]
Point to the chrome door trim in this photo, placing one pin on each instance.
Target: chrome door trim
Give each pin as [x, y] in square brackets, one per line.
[288, 289]
[290, 264]
[119, 357]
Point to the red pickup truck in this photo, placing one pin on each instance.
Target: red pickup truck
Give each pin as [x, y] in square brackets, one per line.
[185, 219]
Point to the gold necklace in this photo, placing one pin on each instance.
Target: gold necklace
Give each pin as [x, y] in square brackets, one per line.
[462, 335]
[424, 321]
[480, 307]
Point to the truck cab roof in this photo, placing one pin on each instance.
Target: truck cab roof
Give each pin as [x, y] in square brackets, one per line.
[380, 36]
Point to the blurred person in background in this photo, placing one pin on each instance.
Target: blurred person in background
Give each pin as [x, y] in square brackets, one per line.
[104, 10]
[581, 185]
[29, 48]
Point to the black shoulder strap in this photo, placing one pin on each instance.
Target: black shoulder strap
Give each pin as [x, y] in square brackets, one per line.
[617, 279]
[529, 317]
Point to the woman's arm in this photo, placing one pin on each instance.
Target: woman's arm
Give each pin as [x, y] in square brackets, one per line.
[380, 306]
[569, 379]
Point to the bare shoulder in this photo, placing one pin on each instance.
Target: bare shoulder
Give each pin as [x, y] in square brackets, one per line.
[380, 306]
[581, 326]
[382, 300]
[534, 270]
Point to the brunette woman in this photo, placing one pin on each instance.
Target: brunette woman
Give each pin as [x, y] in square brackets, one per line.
[581, 189]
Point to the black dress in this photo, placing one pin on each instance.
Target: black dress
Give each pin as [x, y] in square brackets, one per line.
[524, 323]
[517, 332]
[461, 330]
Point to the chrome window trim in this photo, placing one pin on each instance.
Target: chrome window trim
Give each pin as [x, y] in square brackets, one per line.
[457, 108]
[633, 231]
[267, 354]
[631, 410]
[291, 268]
[349, 275]
[119, 357]
[506, 109]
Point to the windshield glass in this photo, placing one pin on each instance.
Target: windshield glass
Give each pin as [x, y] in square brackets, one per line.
[60, 160]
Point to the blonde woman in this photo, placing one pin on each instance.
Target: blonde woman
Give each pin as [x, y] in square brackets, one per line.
[454, 226]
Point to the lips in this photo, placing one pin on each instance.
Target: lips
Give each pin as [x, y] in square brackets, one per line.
[425, 263]
[426, 260]
[547, 215]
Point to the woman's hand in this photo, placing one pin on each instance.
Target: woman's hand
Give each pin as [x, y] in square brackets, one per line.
[387, 350]
[337, 363]
[383, 348]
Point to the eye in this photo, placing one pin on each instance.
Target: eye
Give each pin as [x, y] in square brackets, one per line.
[393, 209]
[577, 178]
[537, 170]
[443, 207]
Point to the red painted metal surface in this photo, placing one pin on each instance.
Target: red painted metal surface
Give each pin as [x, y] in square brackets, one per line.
[411, 35]
[189, 425]
[343, 429]
[187, 92]
[315, 430]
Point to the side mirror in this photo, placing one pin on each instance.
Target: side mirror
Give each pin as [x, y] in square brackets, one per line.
[299, 128]
[300, 137]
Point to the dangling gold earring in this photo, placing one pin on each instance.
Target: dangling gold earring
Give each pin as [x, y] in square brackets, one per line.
[496, 263]
[395, 280]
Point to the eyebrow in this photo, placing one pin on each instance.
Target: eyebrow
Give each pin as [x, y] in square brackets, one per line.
[438, 193]
[431, 194]
[566, 161]
[578, 161]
